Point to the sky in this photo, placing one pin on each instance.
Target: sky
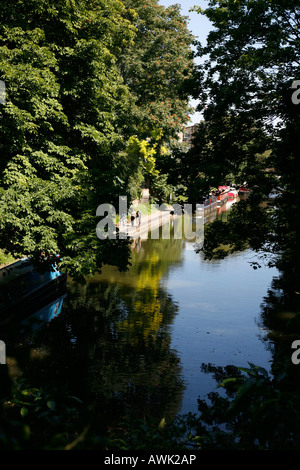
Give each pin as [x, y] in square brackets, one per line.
[199, 27]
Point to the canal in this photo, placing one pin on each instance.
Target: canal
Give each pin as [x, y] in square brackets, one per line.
[139, 342]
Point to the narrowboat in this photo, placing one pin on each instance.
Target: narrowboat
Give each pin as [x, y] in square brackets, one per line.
[232, 193]
[244, 190]
[24, 289]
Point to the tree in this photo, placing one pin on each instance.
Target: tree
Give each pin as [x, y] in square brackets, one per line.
[250, 122]
[158, 64]
[252, 57]
[251, 132]
[78, 92]
[156, 68]
[63, 125]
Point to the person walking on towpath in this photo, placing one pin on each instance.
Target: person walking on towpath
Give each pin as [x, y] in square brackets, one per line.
[132, 218]
[138, 217]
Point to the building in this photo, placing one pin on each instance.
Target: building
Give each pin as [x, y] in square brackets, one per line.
[187, 134]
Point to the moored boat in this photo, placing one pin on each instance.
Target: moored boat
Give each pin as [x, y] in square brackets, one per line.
[222, 192]
[227, 191]
[232, 193]
[244, 190]
[23, 289]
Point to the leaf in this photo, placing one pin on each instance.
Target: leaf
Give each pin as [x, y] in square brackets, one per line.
[227, 381]
[76, 399]
[24, 411]
[245, 387]
[51, 404]
[162, 423]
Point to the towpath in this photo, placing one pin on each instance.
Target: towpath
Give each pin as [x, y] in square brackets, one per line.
[148, 222]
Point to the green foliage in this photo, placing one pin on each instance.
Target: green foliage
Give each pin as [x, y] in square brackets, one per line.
[61, 125]
[244, 88]
[35, 418]
[137, 435]
[260, 412]
[76, 76]
[251, 127]
[142, 153]
[227, 150]
[250, 133]
[247, 226]
[254, 410]
[161, 189]
[157, 66]
[5, 258]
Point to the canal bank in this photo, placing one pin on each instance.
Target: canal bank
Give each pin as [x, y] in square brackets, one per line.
[148, 223]
[209, 210]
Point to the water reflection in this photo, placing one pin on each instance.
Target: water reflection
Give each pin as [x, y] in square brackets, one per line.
[280, 318]
[143, 368]
[143, 299]
[134, 342]
[110, 346]
[43, 316]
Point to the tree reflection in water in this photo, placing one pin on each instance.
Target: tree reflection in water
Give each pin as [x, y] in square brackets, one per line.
[111, 344]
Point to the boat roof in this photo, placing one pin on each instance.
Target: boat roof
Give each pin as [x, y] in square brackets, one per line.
[14, 270]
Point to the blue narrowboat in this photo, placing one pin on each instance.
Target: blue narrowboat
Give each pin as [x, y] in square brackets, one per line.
[24, 289]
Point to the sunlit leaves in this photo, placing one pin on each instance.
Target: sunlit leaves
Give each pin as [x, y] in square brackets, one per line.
[158, 65]
[78, 87]
[250, 125]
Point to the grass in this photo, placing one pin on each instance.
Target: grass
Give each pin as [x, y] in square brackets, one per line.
[5, 258]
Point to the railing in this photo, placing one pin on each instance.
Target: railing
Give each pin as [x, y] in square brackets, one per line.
[210, 201]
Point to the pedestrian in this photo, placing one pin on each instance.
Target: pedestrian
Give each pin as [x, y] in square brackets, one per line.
[139, 217]
[132, 218]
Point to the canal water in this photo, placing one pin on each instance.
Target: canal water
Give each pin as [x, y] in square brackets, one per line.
[142, 342]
